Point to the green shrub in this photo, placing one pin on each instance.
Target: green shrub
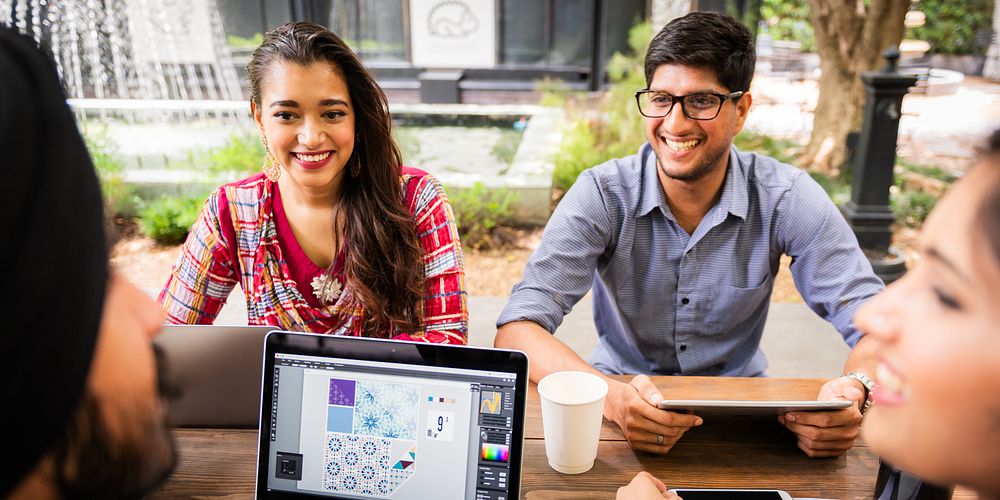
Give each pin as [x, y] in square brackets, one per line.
[912, 207]
[168, 218]
[932, 171]
[479, 211]
[119, 198]
[242, 155]
[555, 93]
[615, 129]
[577, 153]
[783, 150]
[955, 27]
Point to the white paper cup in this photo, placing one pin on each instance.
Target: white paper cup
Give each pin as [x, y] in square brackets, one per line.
[572, 409]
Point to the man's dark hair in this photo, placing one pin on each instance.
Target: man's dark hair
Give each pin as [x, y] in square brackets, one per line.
[706, 40]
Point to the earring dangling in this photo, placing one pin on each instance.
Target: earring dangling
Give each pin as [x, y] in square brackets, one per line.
[271, 169]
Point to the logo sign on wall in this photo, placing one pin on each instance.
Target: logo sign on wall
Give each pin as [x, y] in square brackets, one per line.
[171, 31]
[453, 33]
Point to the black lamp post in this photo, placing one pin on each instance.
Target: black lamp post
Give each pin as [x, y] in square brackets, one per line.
[868, 211]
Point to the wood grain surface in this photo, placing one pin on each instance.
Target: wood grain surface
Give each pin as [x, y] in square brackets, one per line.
[217, 463]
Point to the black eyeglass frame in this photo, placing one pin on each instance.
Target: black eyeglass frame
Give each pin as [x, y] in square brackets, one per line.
[734, 96]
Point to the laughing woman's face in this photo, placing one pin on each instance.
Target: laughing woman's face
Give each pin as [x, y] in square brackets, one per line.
[307, 117]
[937, 404]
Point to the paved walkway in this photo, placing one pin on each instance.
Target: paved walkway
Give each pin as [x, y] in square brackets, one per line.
[797, 342]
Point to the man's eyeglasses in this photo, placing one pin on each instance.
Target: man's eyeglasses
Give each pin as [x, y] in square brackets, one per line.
[703, 106]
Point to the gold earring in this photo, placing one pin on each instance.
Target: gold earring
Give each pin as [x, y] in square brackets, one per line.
[271, 169]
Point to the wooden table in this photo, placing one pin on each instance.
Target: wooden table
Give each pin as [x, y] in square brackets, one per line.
[221, 463]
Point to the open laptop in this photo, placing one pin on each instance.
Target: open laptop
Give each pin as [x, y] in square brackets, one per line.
[216, 370]
[347, 417]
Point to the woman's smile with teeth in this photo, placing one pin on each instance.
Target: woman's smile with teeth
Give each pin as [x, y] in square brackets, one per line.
[890, 385]
[681, 146]
[312, 157]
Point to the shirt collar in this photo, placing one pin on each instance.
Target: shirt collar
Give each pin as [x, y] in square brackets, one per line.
[734, 199]
[734, 191]
[652, 196]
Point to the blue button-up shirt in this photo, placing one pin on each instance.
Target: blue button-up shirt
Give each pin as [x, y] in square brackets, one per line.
[666, 302]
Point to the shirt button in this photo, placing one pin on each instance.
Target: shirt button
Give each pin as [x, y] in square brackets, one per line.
[685, 301]
[684, 347]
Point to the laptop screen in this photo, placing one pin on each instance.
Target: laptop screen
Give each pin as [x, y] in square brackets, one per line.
[392, 420]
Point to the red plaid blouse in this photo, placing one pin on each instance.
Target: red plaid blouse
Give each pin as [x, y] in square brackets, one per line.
[242, 236]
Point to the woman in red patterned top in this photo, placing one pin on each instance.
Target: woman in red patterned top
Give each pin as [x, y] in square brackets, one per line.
[334, 236]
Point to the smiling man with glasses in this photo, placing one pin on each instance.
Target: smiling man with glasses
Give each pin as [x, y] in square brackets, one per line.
[680, 244]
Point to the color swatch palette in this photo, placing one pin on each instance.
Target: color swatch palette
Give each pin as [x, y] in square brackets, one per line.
[496, 452]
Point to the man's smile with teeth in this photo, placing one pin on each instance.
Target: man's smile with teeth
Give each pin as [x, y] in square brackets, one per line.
[313, 157]
[681, 146]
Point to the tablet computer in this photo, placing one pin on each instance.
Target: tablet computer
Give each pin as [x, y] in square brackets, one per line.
[747, 408]
[731, 494]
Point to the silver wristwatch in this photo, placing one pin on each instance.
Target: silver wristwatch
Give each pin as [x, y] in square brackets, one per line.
[869, 387]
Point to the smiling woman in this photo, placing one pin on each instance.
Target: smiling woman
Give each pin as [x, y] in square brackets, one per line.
[335, 235]
[937, 409]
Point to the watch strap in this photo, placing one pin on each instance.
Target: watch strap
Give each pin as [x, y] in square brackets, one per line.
[869, 386]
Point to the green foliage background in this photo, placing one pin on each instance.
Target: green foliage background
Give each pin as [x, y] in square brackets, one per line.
[167, 219]
[951, 27]
[119, 198]
[478, 213]
[615, 128]
[955, 26]
[789, 20]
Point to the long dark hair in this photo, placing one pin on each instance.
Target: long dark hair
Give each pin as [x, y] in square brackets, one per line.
[383, 260]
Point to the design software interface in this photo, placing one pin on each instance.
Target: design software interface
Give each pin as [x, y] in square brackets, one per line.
[364, 429]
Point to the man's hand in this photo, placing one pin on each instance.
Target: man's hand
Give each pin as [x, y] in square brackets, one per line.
[645, 487]
[633, 407]
[828, 433]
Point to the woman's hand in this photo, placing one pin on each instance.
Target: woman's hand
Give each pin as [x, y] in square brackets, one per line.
[644, 486]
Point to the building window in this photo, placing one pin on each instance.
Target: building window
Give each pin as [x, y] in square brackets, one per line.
[522, 32]
[572, 33]
[373, 28]
[555, 33]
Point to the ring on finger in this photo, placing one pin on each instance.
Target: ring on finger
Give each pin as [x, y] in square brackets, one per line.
[659, 439]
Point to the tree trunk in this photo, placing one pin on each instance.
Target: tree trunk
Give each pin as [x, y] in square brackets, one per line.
[850, 39]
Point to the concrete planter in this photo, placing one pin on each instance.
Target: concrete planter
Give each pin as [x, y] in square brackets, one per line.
[967, 65]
